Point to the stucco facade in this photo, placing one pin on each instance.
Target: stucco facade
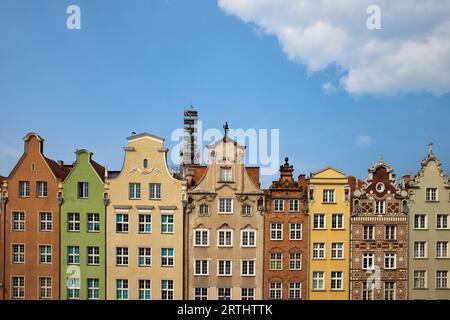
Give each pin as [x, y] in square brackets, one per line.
[145, 225]
[83, 233]
[32, 225]
[329, 208]
[225, 228]
[379, 237]
[286, 238]
[429, 226]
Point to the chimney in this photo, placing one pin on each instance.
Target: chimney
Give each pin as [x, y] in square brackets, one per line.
[60, 163]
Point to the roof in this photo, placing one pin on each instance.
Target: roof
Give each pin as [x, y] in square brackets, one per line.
[99, 169]
[145, 135]
[60, 171]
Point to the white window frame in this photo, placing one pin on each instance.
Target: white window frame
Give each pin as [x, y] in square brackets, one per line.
[83, 193]
[442, 249]
[422, 223]
[41, 189]
[146, 254]
[251, 241]
[45, 288]
[73, 256]
[155, 190]
[371, 231]
[294, 205]
[18, 290]
[387, 232]
[419, 277]
[329, 196]
[45, 225]
[295, 290]
[278, 205]
[380, 207]
[337, 251]
[294, 230]
[246, 267]
[276, 261]
[169, 292]
[73, 222]
[93, 292]
[18, 221]
[439, 223]
[226, 295]
[225, 244]
[93, 222]
[318, 277]
[202, 233]
[93, 256]
[168, 261]
[337, 277]
[203, 270]
[390, 261]
[18, 256]
[201, 294]
[24, 189]
[319, 251]
[277, 231]
[370, 258]
[226, 174]
[275, 291]
[429, 195]
[441, 279]
[224, 209]
[425, 249]
[134, 191]
[143, 222]
[339, 219]
[295, 258]
[226, 264]
[45, 254]
[321, 220]
[122, 256]
[168, 223]
[248, 294]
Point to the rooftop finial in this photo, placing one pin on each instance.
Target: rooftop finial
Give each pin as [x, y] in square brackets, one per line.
[381, 158]
[226, 128]
[430, 149]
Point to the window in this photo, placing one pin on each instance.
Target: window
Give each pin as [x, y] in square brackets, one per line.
[122, 289]
[201, 294]
[41, 189]
[73, 255]
[278, 205]
[18, 287]
[224, 268]
[45, 221]
[145, 257]
[319, 221]
[226, 206]
[337, 251]
[18, 253]
[276, 261]
[18, 221]
[420, 249]
[442, 222]
[145, 163]
[294, 205]
[201, 238]
[246, 210]
[93, 258]
[368, 262]
[337, 221]
[337, 280]
[248, 268]
[318, 280]
[275, 290]
[83, 190]
[122, 223]
[145, 290]
[122, 256]
[276, 231]
[329, 196]
[225, 238]
[73, 220]
[390, 261]
[73, 288]
[369, 232]
[167, 257]
[248, 238]
[24, 189]
[318, 251]
[155, 191]
[145, 223]
[167, 290]
[167, 223]
[226, 175]
[295, 231]
[431, 194]
[442, 249]
[390, 233]
[389, 290]
[420, 277]
[380, 207]
[93, 287]
[201, 268]
[204, 210]
[441, 279]
[45, 254]
[295, 261]
[420, 221]
[134, 191]
[367, 292]
[93, 224]
[247, 294]
[295, 290]
[224, 293]
[45, 288]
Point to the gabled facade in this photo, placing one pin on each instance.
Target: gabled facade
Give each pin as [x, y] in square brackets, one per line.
[145, 225]
[224, 227]
[379, 237]
[329, 208]
[83, 231]
[429, 231]
[286, 238]
[32, 224]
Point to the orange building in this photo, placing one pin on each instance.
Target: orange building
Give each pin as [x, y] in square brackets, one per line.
[32, 225]
[286, 229]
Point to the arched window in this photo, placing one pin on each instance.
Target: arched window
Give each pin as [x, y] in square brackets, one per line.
[145, 164]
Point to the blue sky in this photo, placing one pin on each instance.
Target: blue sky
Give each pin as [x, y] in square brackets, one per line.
[135, 65]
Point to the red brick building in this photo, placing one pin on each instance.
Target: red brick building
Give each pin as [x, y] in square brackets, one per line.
[286, 225]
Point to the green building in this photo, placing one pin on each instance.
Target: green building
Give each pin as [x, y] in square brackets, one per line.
[83, 231]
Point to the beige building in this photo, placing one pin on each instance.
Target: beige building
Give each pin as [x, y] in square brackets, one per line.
[429, 232]
[144, 225]
[224, 228]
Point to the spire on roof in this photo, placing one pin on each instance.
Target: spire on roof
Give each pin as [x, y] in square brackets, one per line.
[226, 129]
[430, 149]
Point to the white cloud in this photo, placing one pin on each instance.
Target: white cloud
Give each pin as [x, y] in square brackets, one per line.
[363, 140]
[329, 88]
[409, 54]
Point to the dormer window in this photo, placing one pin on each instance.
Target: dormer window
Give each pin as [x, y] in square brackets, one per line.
[226, 175]
[431, 194]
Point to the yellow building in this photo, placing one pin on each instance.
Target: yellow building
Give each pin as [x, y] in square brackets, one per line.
[329, 207]
[145, 225]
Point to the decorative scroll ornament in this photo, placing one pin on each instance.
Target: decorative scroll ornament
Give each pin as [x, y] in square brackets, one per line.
[145, 171]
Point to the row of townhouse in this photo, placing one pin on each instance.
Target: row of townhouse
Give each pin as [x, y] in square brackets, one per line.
[80, 231]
